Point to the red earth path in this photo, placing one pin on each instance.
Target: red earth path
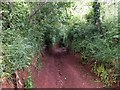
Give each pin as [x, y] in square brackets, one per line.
[62, 70]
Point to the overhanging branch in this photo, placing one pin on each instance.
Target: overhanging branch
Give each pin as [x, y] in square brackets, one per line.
[37, 10]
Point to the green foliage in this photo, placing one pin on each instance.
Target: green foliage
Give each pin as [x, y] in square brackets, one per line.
[98, 45]
[29, 83]
[17, 55]
[106, 75]
[51, 19]
[22, 38]
[103, 74]
[19, 37]
[96, 38]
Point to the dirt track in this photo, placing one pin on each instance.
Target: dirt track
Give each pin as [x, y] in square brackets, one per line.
[62, 70]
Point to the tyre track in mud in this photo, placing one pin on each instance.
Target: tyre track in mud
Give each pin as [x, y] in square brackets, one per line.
[59, 65]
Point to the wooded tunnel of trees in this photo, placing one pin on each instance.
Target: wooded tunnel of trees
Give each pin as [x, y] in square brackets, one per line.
[84, 27]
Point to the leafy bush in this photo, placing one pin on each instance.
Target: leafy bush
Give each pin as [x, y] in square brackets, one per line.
[19, 39]
[98, 46]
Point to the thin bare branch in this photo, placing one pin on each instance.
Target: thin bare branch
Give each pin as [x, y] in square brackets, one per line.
[37, 10]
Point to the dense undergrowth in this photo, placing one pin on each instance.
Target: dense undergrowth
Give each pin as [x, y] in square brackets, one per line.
[98, 42]
[94, 34]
